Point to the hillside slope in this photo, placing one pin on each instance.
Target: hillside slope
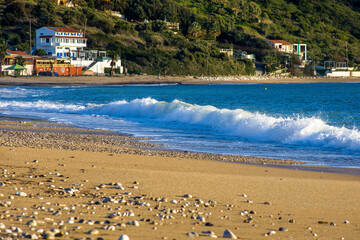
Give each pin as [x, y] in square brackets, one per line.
[330, 28]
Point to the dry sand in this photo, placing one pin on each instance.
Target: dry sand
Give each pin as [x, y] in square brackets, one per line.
[123, 80]
[73, 192]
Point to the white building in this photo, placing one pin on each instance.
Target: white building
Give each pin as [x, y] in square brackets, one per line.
[281, 46]
[95, 61]
[60, 42]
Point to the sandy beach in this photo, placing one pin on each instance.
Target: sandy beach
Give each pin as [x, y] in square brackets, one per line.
[64, 182]
[124, 80]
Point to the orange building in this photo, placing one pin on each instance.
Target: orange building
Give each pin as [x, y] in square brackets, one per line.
[45, 66]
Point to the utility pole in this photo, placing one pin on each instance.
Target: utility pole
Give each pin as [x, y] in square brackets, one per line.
[207, 64]
[125, 64]
[346, 52]
[30, 37]
[314, 66]
[85, 27]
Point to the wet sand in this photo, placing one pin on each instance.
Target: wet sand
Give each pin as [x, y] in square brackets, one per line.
[56, 180]
[125, 80]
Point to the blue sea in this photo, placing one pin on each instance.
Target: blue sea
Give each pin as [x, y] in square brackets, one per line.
[316, 122]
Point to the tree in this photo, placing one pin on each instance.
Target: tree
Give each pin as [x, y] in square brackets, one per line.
[68, 17]
[308, 70]
[249, 67]
[194, 31]
[254, 11]
[113, 51]
[213, 32]
[40, 52]
[3, 48]
[20, 60]
[158, 26]
[45, 10]
[293, 64]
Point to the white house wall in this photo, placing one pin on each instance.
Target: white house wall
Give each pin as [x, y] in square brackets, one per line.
[99, 67]
[59, 44]
[29, 70]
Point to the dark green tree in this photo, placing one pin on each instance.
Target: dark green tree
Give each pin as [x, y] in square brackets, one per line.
[293, 64]
[114, 52]
[3, 48]
[45, 10]
[20, 60]
[40, 52]
[249, 67]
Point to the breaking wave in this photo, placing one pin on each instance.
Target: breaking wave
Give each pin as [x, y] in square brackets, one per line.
[253, 127]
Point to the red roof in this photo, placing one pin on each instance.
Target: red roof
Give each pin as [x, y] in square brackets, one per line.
[18, 53]
[280, 41]
[61, 29]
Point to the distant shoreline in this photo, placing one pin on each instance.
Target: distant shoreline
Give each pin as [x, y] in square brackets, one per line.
[150, 79]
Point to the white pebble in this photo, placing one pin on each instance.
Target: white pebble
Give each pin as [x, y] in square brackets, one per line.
[124, 237]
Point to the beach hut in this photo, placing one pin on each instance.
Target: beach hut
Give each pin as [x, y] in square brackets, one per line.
[17, 69]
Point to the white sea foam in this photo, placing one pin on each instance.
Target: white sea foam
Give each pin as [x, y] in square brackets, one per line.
[42, 106]
[253, 127]
[19, 92]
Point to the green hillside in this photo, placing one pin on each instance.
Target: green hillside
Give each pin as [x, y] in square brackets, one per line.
[330, 28]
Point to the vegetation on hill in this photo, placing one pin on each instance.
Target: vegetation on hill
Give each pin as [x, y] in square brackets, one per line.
[329, 27]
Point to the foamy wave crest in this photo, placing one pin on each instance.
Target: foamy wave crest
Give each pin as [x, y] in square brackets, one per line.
[249, 126]
[42, 106]
[255, 127]
[19, 92]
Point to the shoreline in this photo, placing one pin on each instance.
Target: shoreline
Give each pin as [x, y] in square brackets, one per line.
[77, 193]
[14, 128]
[148, 79]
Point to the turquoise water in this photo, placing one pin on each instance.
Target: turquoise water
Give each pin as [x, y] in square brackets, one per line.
[315, 122]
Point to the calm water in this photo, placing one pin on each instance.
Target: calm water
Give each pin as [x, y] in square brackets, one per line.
[312, 122]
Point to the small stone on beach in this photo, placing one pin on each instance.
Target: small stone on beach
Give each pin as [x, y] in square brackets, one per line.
[228, 234]
[124, 237]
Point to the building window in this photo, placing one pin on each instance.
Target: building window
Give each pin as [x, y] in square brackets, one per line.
[47, 40]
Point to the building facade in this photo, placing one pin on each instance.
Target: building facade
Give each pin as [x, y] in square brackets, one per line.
[50, 66]
[227, 51]
[282, 46]
[301, 51]
[60, 42]
[10, 59]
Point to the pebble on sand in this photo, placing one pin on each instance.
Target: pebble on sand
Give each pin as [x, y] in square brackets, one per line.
[21, 194]
[93, 232]
[124, 237]
[228, 234]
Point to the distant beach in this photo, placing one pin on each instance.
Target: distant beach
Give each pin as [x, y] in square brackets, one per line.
[149, 79]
